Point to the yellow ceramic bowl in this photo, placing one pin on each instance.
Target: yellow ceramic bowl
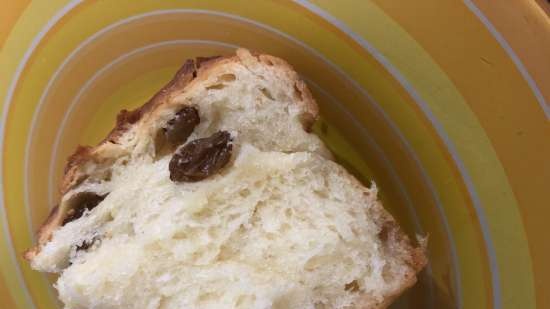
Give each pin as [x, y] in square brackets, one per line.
[443, 103]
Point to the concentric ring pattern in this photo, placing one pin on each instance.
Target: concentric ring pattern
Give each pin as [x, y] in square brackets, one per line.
[445, 104]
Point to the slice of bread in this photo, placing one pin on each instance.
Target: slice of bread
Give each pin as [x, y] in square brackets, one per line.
[214, 194]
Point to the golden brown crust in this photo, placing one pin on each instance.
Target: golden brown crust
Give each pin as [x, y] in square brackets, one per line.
[125, 119]
[192, 71]
[301, 90]
[71, 176]
[391, 234]
[43, 232]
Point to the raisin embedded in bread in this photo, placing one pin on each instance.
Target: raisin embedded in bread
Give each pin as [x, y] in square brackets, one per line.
[214, 194]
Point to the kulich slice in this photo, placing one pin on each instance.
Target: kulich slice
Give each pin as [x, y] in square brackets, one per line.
[215, 194]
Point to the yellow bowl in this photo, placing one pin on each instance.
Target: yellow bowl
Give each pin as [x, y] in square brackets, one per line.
[443, 103]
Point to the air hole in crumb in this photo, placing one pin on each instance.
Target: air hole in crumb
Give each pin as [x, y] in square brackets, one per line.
[215, 87]
[227, 77]
[244, 192]
[203, 213]
[315, 262]
[245, 299]
[319, 306]
[180, 235]
[298, 92]
[209, 296]
[285, 227]
[162, 302]
[288, 212]
[321, 193]
[81, 204]
[352, 286]
[233, 217]
[268, 62]
[213, 232]
[267, 94]
[240, 300]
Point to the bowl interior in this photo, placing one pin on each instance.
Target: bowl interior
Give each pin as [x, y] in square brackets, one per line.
[392, 111]
[121, 67]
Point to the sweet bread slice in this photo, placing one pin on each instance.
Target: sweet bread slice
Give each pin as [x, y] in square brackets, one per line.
[215, 194]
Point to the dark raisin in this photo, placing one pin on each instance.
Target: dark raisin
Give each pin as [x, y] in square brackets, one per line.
[179, 128]
[352, 286]
[201, 158]
[86, 244]
[81, 202]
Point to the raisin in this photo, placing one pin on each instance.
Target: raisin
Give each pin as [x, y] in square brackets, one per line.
[86, 244]
[352, 286]
[201, 158]
[179, 128]
[82, 202]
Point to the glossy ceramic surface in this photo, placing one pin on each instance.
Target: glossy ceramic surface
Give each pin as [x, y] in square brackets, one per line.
[443, 103]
